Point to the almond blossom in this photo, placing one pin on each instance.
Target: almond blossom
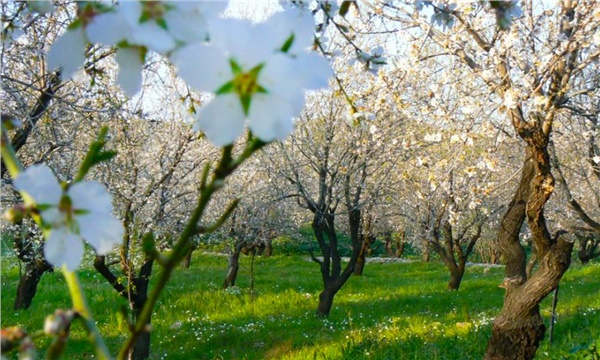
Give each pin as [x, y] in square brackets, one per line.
[260, 83]
[82, 212]
[135, 27]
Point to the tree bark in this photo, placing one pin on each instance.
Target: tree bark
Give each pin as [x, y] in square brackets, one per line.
[141, 348]
[29, 281]
[233, 266]
[326, 301]
[456, 276]
[359, 267]
[519, 328]
[35, 266]
[268, 248]
[331, 265]
[365, 237]
[137, 294]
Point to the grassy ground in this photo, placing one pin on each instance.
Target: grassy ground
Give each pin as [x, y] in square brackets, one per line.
[395, 311]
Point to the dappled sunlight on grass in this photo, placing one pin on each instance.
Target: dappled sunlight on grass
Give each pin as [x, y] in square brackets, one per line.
[395, 311]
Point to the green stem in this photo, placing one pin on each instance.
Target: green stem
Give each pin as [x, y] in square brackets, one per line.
[13, 165]
[81, 307]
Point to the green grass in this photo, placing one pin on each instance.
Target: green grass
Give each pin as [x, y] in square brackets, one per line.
[395, 311]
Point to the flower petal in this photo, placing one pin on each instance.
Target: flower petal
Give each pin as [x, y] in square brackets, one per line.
[319, 74]
[54, 217]
[238, 39]
[130, 70]
[40, 183]
[293, 21]
[271, 117]
[90, 196]
[203, 67]
[222, 119]
[108, 28]
[102, 231]
[152, 36]
[68, 52]
[63, 248]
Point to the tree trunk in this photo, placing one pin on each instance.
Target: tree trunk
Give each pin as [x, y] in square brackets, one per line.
[495, 258]
[141, 348]
[518, 329]
[268, 248]
[400, 243]
[139, 295]
[187, 260]
[260, 249]
[394, 244]
[456, 276]
[326, 301]
[233, 266]
[359, 267]
[34, 269]
[425, 255]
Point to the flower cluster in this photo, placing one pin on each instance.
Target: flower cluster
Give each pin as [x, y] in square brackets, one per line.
[257, 72]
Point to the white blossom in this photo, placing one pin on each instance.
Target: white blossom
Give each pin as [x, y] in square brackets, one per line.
[82, 212]
[68, 52]
[260, 83]
[137, 26]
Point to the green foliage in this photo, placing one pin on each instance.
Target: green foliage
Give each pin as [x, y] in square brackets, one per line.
[394, 311]
[287, 245]
[591, 352]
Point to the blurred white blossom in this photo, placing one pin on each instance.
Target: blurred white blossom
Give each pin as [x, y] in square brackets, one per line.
[83, 212]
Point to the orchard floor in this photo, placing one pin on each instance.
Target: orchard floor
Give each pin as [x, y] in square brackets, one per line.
[394, 311]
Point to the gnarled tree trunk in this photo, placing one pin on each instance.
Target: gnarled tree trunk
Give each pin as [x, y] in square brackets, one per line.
[518, 329]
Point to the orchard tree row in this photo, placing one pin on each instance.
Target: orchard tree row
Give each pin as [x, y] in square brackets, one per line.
[454, 127]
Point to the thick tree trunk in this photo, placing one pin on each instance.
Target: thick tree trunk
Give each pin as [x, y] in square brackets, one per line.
[268, 248]
[141, 348]
[260, 249]
[425, 255]
[394, 243]
[519, 328]
[400, 243]
[34, 269]
[331, 266]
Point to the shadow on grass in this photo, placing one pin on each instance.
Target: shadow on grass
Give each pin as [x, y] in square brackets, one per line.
[395, 311]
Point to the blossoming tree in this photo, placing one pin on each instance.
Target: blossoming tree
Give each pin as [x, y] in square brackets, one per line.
[262, 88]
